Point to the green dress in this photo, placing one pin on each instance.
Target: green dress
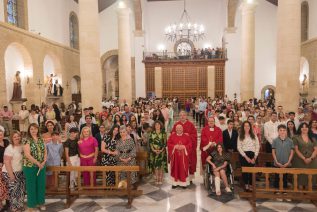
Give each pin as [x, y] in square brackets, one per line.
[158, 142]
[307, 150]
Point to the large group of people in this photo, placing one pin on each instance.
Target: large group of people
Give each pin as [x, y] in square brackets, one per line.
[115, 135]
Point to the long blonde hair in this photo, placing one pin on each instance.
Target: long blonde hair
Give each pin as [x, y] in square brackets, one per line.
[82, 134]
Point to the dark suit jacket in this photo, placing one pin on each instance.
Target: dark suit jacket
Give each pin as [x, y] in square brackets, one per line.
[99, 139]
[230, 143]
[94, 129]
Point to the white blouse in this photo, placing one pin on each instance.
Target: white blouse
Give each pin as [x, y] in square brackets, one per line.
[248, 144]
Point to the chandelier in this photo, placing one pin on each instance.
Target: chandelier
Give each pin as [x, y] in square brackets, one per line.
[184, 29]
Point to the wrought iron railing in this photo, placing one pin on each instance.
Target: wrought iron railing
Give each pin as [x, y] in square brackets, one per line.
[155, 56]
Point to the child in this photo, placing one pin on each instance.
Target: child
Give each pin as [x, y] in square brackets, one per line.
[54, 154]
[71, 154]
[282, 152]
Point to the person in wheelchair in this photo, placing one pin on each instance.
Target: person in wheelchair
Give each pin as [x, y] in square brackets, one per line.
[218, 160]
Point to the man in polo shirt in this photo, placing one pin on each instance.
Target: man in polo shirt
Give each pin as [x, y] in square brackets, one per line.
[282, 151]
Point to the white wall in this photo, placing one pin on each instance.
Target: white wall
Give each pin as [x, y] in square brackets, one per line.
[51, 18]
[108, 21]
[158, 15]
[265, 50]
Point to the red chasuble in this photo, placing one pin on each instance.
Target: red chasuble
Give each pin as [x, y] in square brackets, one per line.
[179, 159]
[189, 128]
[209, 135]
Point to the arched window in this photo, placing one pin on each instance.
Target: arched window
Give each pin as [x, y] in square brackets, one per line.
[12, 12]
[304, 21]
[73, 31]
[16, 13]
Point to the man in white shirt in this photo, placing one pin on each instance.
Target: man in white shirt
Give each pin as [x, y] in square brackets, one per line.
[82, 119]
[270, 131]
[222, 123]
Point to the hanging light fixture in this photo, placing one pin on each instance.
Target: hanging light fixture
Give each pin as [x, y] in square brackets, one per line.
[184, 29]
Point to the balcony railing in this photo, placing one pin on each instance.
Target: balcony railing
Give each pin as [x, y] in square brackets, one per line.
[170, 56]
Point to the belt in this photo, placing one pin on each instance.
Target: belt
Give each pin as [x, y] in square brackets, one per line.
[128, 151]
[87, 156]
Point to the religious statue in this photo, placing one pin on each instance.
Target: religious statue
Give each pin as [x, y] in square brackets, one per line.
[304, 84]
[58, 89]
[17, 91]
[50, 84]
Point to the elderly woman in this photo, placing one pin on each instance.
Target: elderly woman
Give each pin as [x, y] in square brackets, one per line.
[218, 160]
[126, 154]
[306, 152]
[12, 172]
[34, 168]
[88, 152]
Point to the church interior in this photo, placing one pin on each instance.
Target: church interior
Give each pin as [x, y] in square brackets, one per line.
[138, 56]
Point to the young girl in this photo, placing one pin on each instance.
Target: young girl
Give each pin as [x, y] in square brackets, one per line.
[218, 159]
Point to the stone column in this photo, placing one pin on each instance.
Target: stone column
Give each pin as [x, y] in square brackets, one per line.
[248, 48]
[211, 81]
[288, 54]
[158, 82]
[139, 65]
[124, 44]
[90, 68]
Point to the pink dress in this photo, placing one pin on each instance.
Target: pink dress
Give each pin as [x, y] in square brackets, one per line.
[87, 147]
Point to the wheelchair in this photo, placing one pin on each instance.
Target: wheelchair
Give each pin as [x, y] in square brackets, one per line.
[209, 178]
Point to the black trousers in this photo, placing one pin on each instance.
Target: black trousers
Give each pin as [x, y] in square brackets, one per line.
[194, 114]
[247, 177]
[201, 118]
[277, 180]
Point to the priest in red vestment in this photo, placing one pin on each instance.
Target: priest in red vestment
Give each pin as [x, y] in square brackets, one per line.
[190, 130]
[211, 135]
[179, 149]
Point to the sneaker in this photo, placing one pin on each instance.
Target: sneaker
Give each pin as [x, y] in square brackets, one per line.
[277, 193]
[42, 208]
[174, 187]
[228, 190]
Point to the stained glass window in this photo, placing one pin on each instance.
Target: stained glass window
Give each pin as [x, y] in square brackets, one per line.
[12, 12]
[73, 31]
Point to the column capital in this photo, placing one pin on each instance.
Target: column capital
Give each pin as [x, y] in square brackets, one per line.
[248, 5]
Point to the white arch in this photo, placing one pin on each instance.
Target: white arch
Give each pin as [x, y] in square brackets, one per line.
[17, 58]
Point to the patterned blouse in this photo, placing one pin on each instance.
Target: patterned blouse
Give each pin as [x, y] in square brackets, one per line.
[37, 151]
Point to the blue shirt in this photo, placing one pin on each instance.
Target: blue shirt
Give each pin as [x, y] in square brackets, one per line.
[202, 106]
[283, 149]
[54, 154]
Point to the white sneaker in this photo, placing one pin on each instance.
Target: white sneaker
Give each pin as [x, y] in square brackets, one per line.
[42, 208]
[228, 190]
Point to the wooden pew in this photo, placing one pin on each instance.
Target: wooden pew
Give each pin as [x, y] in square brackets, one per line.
[268, 192]
[92, 190]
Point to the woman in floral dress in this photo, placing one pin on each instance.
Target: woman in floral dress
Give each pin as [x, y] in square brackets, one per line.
[158, 157]
[126, 154]
[108, 147]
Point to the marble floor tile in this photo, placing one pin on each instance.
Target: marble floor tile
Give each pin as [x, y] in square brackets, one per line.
[190, 208]
[87, 207]
[120, 207]
[159, 195]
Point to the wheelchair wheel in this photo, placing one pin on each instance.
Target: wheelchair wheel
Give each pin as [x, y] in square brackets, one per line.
[206, 181]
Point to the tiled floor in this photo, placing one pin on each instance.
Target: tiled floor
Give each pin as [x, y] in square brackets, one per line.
[163, 198]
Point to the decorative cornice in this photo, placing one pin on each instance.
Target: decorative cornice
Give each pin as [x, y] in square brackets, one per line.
[35, 36]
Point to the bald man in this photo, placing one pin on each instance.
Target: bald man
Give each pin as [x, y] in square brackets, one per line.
[189, 130]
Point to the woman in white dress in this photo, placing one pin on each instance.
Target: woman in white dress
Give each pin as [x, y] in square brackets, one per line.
[23, 120]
